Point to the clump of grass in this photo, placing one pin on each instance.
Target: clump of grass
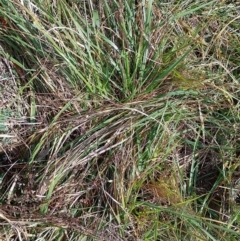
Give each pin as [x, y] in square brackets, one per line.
[131, 120]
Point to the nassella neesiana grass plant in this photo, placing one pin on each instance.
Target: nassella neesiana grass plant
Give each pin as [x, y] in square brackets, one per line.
[133, 107]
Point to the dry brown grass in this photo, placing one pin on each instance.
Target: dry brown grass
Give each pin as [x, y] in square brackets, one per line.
[151, 158]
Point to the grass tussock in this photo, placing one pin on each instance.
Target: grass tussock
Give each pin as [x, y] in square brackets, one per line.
[119, 120]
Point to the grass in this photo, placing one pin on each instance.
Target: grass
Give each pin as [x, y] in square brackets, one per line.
[119, 120]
